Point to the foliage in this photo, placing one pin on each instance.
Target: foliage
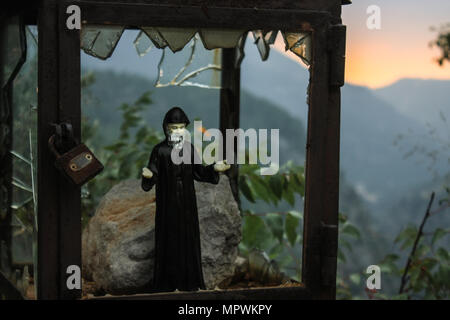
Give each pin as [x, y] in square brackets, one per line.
[442, 42]
[122, 159]
[277, 233]
[428, 276]
[280, 233]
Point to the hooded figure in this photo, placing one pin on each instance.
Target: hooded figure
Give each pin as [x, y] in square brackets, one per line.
[178, 262]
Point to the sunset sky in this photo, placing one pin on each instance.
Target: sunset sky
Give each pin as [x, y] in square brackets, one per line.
[376, 58]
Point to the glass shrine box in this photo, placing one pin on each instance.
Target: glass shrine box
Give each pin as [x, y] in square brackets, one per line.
[41, 212]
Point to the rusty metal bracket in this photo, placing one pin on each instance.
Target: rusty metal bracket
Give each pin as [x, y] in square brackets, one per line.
[336, 47]
[328, 253]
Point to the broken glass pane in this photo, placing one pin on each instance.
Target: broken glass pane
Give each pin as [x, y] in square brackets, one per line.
[142, 43]
[24, 147]
[240, 53]
[220, 38]
[22, 243]
[176, 38]
[100, 41]
[300, 44]
[263, 40]
[155, 37]
[270, 37]
[192, 66]
[14, 48]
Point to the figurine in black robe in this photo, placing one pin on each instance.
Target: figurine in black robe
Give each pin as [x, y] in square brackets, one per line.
[178, 262]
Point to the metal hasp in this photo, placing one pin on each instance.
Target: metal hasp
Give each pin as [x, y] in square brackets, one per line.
[59, 204]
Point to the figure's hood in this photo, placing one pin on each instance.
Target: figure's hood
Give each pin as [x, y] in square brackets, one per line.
[174, 115]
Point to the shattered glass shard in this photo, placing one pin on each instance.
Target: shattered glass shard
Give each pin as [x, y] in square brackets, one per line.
[192, 66]
[220, 38]
[13, 44]
[263, 40]
[176, 38]
[155, 37]
[300, 44]
[270, 37]
[142, 44]
[263, 48]
[240, 53]
[100, 41]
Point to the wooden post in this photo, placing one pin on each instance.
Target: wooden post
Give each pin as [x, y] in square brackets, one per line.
[316, 161]
[59, 207]
[69, 110]
[330, 217]
[48, 178]
[229, 110]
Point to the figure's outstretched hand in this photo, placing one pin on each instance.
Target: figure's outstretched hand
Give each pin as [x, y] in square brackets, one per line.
[221, 166]
[146, 173]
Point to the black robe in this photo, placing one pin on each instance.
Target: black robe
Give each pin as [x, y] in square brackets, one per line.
[177, 236]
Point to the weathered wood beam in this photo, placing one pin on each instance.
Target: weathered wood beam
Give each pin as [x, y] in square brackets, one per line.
[69, 111]
[230, 110]
[48, 178]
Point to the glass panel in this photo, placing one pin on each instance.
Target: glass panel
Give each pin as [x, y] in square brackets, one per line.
[192, 66]
[124, 159]
[220, 38]
[176, 38]
[12, 57]
[12, 39]
[300, 44]
[142, 43]
[272, 205]
[100, 41]
[156, 37]
[24, 148]
[240, 52]
[263, 40]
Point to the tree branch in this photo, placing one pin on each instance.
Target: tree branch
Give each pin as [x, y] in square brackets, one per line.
[416, 242]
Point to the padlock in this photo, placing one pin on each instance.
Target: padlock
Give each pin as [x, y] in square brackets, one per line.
[78, 165]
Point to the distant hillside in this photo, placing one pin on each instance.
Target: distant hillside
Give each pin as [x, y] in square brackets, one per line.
[111, 89]
[420, 99]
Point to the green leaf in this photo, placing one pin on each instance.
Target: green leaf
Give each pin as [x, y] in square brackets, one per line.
[276, 225]
[442, 254]
[351, 230]
[288, 195]
[342, 218]
[408, 234]
[276, 250]
[355, 278]
[243, 185]
[438, 234]
[298, 183]
[261, 190]
[345, 244]
[296, 214]
[291, 225]
[276, 185]
[390, 258]
[341, 256]
[255, 233]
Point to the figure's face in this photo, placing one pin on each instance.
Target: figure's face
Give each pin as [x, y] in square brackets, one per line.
[176, 127]
[176, 133]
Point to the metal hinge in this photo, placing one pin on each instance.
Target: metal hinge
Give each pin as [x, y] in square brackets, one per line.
[336, 46]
